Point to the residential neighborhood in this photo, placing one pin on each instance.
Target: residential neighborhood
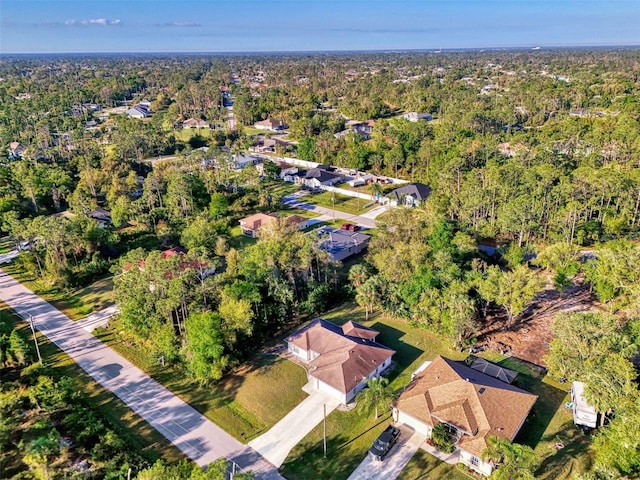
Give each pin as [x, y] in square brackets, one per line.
[314, 265]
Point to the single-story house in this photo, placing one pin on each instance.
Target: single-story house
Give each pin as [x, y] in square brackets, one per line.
[319, 177]
[263, 144]
[251, 225]
[340, 244]
[299, 222]
[339, 359]
[362, 129]
[102, 216]
[243, 160]
[195, 123]
[472, 405]
[583, 413]
[137, 111]
[271, 124]
[415, 116]
[16, 150]
[410, 195]
[289, 174]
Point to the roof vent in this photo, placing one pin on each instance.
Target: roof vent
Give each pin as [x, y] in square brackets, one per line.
[481, 391]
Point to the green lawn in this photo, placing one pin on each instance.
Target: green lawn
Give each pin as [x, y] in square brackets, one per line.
[187, 133]
[75, 304]
[246, 403]
[342, 203]
[424, 466]
[137, 431]
[240, 241]
[549, 423]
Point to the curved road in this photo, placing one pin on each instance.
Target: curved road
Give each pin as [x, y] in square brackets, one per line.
[195, 435]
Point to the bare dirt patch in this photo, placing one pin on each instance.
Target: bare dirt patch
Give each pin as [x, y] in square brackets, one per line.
[529, 335]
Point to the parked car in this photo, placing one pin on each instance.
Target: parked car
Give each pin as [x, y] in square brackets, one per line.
[346, 226]
[384, 443]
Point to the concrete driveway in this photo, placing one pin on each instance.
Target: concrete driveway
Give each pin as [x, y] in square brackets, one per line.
[276, 444]
[394, 462]
[98, 319]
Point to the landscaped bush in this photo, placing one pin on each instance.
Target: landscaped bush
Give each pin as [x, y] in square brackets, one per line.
[441, 439]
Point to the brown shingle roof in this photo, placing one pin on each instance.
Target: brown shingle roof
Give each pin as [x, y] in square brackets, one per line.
[254, 222]
[475, 403]
[343, 359]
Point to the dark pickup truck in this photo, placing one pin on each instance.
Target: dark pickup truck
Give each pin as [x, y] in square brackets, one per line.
[384, 442]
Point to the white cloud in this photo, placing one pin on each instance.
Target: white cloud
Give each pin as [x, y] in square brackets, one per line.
[93, 21]
[183, 24]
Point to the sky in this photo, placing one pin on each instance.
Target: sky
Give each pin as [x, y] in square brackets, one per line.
[30, 26]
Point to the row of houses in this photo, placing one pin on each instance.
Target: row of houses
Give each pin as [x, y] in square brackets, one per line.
[473, 401]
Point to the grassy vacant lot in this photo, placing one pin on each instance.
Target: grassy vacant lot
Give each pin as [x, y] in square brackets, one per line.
[350, 434]
[342, 203]
[246, 403]
[186, 134]
[75, 304]
[130, 426]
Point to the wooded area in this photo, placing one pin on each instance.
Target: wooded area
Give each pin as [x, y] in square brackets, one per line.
[535, 153]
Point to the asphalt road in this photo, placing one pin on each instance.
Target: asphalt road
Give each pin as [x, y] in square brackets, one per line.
[196, 436]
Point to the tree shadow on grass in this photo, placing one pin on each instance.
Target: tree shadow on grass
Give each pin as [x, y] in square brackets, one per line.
[572, 457]
[405, 354]
[550, 399]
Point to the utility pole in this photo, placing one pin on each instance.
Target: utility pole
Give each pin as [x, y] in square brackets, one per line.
[324, 430]
[35, 339]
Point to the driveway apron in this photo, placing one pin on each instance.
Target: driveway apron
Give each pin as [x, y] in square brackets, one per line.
[276, 444]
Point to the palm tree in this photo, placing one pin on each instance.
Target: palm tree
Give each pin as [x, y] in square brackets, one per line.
[375, 395]
[516, 461]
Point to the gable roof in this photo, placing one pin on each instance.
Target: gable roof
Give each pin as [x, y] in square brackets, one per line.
[321, 174]
[419, 191]
[343, 360]
[271, 123]
[258, 220]
[475, 403]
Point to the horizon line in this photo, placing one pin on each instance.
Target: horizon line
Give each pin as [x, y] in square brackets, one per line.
[535, 47]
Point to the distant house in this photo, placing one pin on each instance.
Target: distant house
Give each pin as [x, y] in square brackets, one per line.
[271, 124]
[339, 359]
[410, 195]
[263, 144]
[251, 225]
[102, 216]
[300, 223]
[16, 150]
[583, 413]
[289, 174]
[340, 244]
[137, 111]
[319, 177]
[194, 123]
[362, 129]
[416, 117]
[471, 405]
[243, 160]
